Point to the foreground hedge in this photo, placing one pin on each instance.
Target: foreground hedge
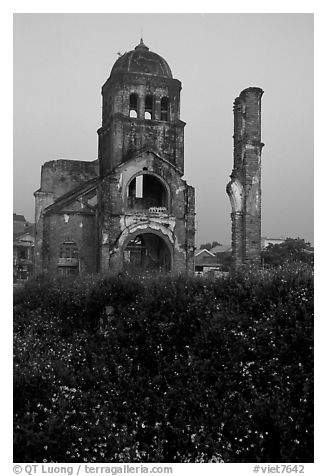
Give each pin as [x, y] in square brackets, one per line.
[165, 369]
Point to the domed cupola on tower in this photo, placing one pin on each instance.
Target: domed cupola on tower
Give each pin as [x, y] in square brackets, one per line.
[141, 110]
[142, 60]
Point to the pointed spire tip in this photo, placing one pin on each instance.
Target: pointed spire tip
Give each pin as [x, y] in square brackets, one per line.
[141, 45]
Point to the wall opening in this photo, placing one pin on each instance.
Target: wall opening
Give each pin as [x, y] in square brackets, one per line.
[133, 103]
[148, 107]
[146, 191]
[68, 261]
[147, 252]
[164, 106]
[139, 186]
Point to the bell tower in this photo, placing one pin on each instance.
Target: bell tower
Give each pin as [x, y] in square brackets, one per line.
[146, 209]
[141, 111]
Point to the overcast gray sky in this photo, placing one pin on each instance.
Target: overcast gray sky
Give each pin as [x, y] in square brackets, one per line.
[62, 60]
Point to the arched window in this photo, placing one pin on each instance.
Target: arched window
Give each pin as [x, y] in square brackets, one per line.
[148, 107]
[164, 109]
[133, 100]
[146, 191]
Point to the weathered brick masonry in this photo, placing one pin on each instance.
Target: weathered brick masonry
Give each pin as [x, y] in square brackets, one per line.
[244, 189]
[131, 208]
[59, 179]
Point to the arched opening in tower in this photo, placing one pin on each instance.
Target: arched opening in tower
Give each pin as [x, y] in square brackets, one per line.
[146, 191]
[147, 252]
[133, 102]
[164, 106]
[148, 107]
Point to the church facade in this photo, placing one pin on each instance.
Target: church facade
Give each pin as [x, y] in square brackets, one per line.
[130, 209]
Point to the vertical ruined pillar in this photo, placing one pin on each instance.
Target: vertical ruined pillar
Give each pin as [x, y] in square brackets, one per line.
[42, 200]
[244, 189]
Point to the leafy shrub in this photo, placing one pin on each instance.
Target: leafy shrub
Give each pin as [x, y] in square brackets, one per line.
[165, 369]
[292, 250]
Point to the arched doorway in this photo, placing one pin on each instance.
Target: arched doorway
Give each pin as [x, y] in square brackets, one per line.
[147, 252]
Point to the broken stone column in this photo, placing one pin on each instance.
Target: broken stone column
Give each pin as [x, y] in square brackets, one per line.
[244, 189]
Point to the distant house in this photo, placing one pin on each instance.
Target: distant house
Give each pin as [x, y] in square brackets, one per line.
[205, 262]
[23, 248]
[212, 262]
[265, 242]
[19, 224]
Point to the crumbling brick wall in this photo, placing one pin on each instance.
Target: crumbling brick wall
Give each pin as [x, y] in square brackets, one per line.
[76, 227]
[244, 189]
[58, 177]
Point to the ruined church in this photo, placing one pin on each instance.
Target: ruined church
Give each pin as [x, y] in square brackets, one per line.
[131, 208]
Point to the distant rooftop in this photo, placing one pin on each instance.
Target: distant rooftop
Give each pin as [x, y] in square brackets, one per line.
[221, 249]
[19, 217]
